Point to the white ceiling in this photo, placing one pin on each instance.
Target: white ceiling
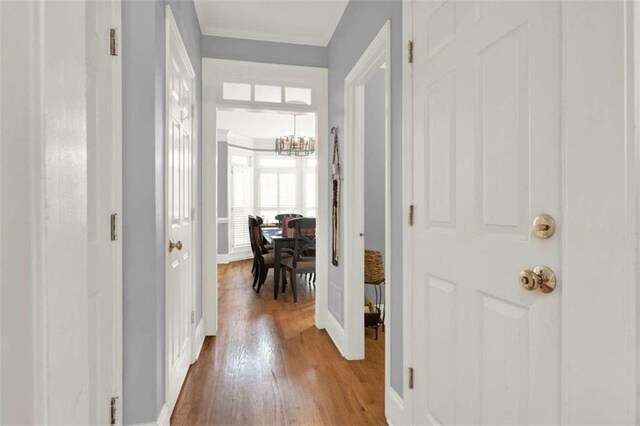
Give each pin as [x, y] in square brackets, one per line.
[264, 125]
[287, 21]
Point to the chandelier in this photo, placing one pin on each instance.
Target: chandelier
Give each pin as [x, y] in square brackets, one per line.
[295, 145]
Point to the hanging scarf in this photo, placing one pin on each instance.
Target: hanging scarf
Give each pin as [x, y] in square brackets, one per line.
[335, 177]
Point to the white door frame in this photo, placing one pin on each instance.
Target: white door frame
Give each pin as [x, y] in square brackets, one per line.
[580, 45]
[196, 337]
[214, 73]
[116, 131]
[404, 413]
[377, 55]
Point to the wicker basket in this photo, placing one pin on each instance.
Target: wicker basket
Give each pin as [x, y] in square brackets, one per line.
[373, 267]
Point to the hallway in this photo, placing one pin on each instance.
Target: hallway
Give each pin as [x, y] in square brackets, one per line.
[270, 365]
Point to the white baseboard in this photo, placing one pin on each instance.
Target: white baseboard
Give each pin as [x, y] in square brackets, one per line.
[394, 409]
[223, 259]
[336, 332]
[163, 418]
[199, 340]
[233, 257]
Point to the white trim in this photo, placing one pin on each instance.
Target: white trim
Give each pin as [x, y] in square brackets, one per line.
[164, 418]
[214, 73]
[223, 259]
[234, 257]
[198, 340]
[336, 332]
[308, 40]
[116, 128]
[394, 408]
[223, 220]
[377, 54]
[304, 39]
[406, 416]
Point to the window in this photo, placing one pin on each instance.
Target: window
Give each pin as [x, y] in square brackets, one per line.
[241, 200]
[295, 95]
[277, 162]
[268, 93]
[236, 91]
[285, 185]
[278, 186]
[309, 193]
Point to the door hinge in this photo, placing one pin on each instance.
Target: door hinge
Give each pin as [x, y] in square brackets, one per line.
[113, 43]
[193, 317]
[411, 215]
[410, 377]
[114, 221]
[113, 409]
[410, 51]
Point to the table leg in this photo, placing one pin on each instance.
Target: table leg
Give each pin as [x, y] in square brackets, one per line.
[277, 247]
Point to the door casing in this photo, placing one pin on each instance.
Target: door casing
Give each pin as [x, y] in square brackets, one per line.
[214, 73]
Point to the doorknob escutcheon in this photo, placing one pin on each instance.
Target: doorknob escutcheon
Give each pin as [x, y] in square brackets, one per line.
[540, 278]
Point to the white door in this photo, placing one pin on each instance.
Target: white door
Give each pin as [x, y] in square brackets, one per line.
[179, 161]
[103, 152]
[486, 162]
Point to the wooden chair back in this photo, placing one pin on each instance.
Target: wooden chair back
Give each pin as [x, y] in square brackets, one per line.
[280, 217]
[305, 237]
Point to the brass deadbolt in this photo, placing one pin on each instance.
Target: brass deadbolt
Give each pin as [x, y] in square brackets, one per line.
[544, 226]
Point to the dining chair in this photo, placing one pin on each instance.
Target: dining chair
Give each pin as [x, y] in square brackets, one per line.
[302, 260]
[280, 217]
[254, 267]
[265, 243]
[264, 258]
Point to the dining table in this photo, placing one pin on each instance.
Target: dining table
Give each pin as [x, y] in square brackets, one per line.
[274, 236]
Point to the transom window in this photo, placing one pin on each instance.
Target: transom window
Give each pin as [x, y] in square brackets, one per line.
[266, 93]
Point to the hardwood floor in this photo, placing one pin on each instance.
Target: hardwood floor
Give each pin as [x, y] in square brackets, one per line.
[270, 365]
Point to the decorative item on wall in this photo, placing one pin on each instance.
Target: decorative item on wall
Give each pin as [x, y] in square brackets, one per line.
[295, 145]
[335, 177]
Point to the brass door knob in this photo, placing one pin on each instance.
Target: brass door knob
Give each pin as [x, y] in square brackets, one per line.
[174, 245]
[540, 278]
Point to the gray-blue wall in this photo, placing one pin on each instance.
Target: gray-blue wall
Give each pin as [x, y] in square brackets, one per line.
[143, 62]
[360, 23]
[264, 51]
[374, 168]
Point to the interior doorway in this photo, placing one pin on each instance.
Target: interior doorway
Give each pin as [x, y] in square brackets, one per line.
[278, 96]
[255, 181]
[367, 212]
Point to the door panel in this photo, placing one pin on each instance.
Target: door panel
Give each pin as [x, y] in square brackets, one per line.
[486, 148]
[180, 284]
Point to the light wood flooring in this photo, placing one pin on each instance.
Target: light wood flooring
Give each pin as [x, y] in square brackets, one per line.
[270, 365]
